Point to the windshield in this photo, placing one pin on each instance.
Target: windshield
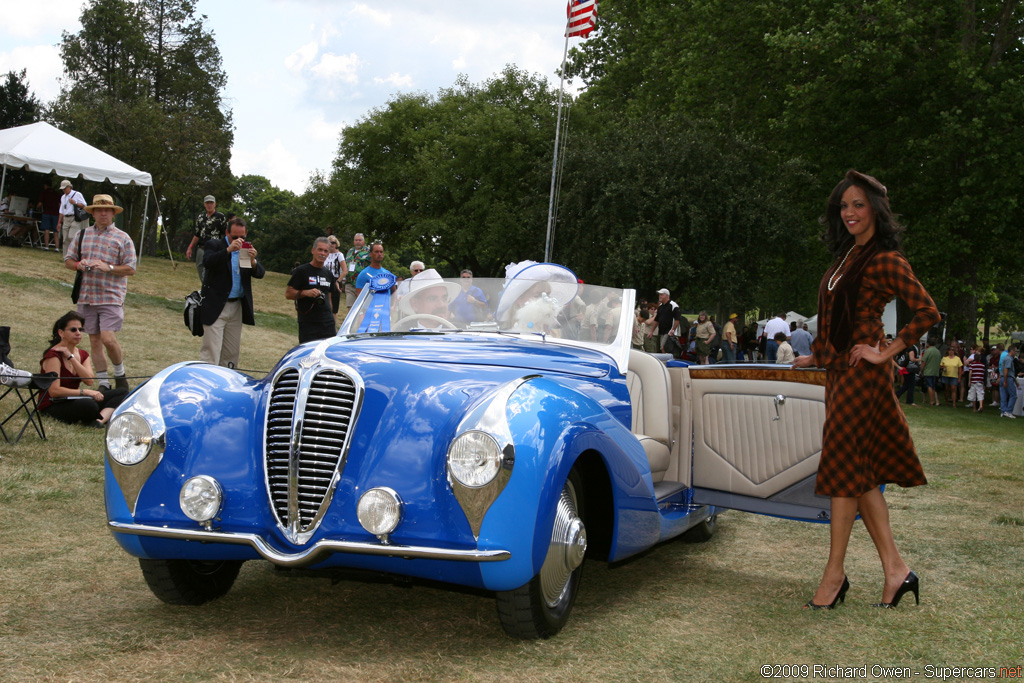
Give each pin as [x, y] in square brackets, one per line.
[556, 309]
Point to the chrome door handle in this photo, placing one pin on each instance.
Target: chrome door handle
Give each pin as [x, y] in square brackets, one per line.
[779, 400]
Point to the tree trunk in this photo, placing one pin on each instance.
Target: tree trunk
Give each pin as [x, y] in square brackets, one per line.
[962, 306]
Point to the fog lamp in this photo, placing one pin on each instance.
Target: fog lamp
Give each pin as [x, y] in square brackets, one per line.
[201, 498]
[379, 511]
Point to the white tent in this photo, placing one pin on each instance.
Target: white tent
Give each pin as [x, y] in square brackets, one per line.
[42, 148]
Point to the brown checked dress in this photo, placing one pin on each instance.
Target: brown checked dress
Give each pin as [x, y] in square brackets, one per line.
[866, 440]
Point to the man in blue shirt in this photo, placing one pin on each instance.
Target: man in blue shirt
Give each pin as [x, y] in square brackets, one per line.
[470, 306]
[1007, 383]
[230, 264]
[374, 269]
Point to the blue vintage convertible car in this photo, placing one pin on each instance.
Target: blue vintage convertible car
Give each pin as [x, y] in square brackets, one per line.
[488, 433]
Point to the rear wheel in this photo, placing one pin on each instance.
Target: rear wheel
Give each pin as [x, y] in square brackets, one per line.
[541, 608]
[189, 582]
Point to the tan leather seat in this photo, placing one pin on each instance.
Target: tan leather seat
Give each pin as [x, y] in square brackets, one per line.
[650, 395]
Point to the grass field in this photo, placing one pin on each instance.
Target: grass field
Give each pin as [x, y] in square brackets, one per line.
[74, 607]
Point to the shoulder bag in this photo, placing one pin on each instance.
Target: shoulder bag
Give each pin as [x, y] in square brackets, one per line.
[193, 313]
[76, 289]
[80, 213]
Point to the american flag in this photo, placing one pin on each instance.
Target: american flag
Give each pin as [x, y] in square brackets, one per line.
[582, 16]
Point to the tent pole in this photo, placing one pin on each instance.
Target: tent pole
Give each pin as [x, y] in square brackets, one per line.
[3, 180]
[142, 238]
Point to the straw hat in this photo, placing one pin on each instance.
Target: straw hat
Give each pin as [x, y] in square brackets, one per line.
[103, 201]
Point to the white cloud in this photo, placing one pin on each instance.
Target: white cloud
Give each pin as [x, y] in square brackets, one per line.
[360, 11]
[338, 67]
[42, 64]
[28, 20]
[396, 80]
[275, 162]
[319, 129]
[297, 60]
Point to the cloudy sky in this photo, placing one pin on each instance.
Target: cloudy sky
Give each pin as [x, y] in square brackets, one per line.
[300, 70]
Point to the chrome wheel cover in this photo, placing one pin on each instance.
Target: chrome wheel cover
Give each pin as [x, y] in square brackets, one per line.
[566, 551]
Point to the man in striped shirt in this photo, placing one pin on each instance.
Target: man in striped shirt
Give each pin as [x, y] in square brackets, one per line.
[106, 259]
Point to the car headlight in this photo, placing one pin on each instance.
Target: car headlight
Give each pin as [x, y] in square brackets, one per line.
[200, 498]
[379, 511]
[129, 438]
[474, 458]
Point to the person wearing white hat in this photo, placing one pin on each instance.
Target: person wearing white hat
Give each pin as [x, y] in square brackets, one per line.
[69, 227]
[550, 287]
[426, 303]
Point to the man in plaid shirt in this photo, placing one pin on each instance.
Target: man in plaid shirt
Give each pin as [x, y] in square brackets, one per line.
[106, 259]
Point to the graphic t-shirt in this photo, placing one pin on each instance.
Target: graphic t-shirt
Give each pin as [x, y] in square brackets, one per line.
[307, 277]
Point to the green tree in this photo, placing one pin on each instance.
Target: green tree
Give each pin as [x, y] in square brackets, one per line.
[144, 83]
[648, 204]
[463, 175]
[926, 96]
[18, 106]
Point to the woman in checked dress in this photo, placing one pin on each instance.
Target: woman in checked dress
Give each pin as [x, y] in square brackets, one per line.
[866, 440]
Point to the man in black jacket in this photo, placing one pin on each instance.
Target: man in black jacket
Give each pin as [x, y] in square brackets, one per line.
[230, 264]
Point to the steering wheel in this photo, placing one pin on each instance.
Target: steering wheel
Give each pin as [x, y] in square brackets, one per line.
[397, 326]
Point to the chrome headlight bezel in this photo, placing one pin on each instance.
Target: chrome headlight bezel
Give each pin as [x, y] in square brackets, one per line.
[129, 438]
[474, 458]
[380, 511]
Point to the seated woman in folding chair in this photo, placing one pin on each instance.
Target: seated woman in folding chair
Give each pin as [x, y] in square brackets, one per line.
[67, 399]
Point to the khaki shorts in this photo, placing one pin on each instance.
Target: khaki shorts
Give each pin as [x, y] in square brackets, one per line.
[101, 317]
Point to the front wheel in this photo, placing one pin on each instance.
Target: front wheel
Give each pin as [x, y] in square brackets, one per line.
[189, 582]
[541, 608]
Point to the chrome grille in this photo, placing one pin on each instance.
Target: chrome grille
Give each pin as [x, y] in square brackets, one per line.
[308, 422]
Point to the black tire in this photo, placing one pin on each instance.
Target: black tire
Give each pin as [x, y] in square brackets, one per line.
[525, 612]
[189, 582]
[703, 532]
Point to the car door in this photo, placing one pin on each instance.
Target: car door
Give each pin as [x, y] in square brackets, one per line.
[756, 435]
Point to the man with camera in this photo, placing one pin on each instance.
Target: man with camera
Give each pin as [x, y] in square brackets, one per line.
[310, 288]
[230, 264]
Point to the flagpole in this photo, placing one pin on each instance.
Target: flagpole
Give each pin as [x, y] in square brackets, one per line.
[554, 162]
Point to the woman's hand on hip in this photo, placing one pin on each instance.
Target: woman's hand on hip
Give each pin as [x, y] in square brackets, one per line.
[868, 353]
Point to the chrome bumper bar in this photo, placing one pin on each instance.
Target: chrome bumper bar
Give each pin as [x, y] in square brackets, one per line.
[318, 552]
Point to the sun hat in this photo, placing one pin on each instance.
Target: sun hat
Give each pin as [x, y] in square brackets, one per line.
[428, 279]
[519, 277]
[103, 201]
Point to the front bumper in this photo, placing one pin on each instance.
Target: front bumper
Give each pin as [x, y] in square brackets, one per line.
[318, 552]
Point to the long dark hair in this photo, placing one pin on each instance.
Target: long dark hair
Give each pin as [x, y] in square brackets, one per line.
[887, 229]
[59, 326]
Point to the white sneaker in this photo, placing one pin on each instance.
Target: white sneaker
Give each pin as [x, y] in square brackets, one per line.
[1011, 416]
[13, 377]
[994, 404]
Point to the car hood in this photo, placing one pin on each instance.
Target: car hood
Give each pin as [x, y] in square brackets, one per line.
[496, 351]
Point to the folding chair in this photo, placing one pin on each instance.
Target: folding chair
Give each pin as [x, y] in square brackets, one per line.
[26, 388]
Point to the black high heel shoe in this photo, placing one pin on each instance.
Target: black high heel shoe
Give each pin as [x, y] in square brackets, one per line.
[840, 597]
[909, 584]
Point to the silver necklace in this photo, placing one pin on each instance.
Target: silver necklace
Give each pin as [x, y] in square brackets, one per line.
[836, 275]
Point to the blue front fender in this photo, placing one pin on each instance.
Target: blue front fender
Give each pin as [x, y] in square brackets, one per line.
[552, 425]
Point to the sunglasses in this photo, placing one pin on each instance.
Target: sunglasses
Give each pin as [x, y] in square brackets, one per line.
[75, 329]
